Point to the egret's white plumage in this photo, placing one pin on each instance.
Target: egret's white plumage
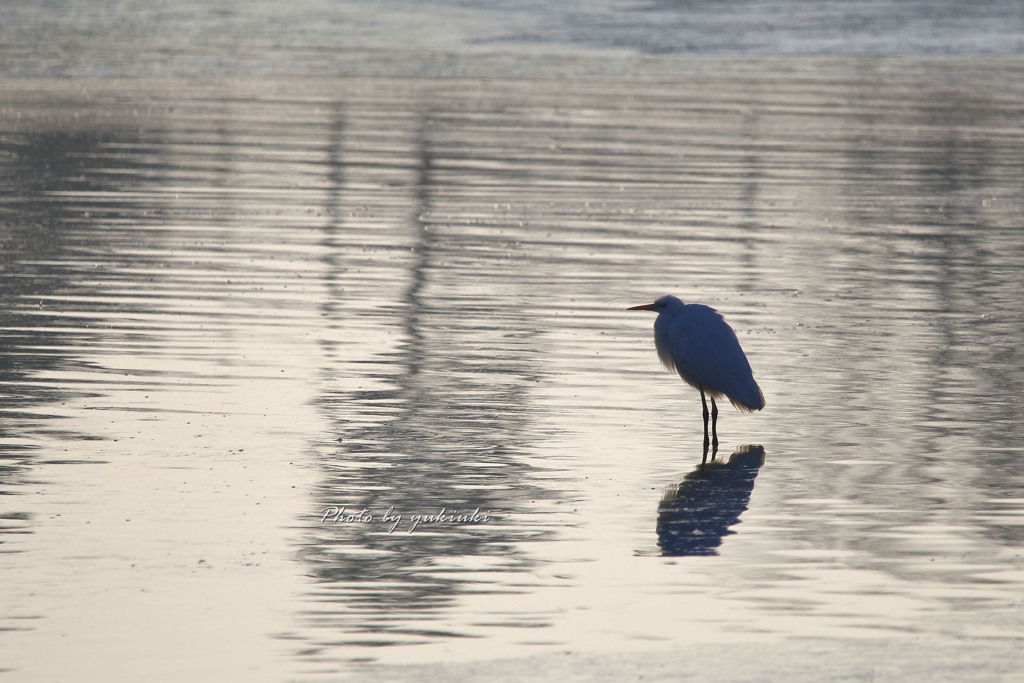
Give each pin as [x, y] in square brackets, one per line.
[695, 341]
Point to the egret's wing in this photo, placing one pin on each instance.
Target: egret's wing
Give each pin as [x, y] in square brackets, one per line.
[707, 355]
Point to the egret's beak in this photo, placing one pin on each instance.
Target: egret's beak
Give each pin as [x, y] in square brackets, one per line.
[645, 307]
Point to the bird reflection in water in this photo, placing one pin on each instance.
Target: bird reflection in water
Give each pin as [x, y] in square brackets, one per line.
[695, 515]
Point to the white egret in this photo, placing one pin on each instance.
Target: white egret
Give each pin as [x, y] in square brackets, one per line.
[695, 341]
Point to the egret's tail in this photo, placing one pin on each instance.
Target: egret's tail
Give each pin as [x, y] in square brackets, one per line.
[750, 400]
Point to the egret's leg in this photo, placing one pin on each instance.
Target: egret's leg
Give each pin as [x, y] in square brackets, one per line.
[714, 424]
[704, 402]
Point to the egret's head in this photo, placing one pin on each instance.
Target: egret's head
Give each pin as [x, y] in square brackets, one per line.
[665, 302]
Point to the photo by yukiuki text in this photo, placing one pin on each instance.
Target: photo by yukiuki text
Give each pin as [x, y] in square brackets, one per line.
[342, 514]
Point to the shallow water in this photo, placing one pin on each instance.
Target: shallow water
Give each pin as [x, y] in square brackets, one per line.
[256, 333]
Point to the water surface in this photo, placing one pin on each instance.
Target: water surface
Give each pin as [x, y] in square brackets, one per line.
[245, 321]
